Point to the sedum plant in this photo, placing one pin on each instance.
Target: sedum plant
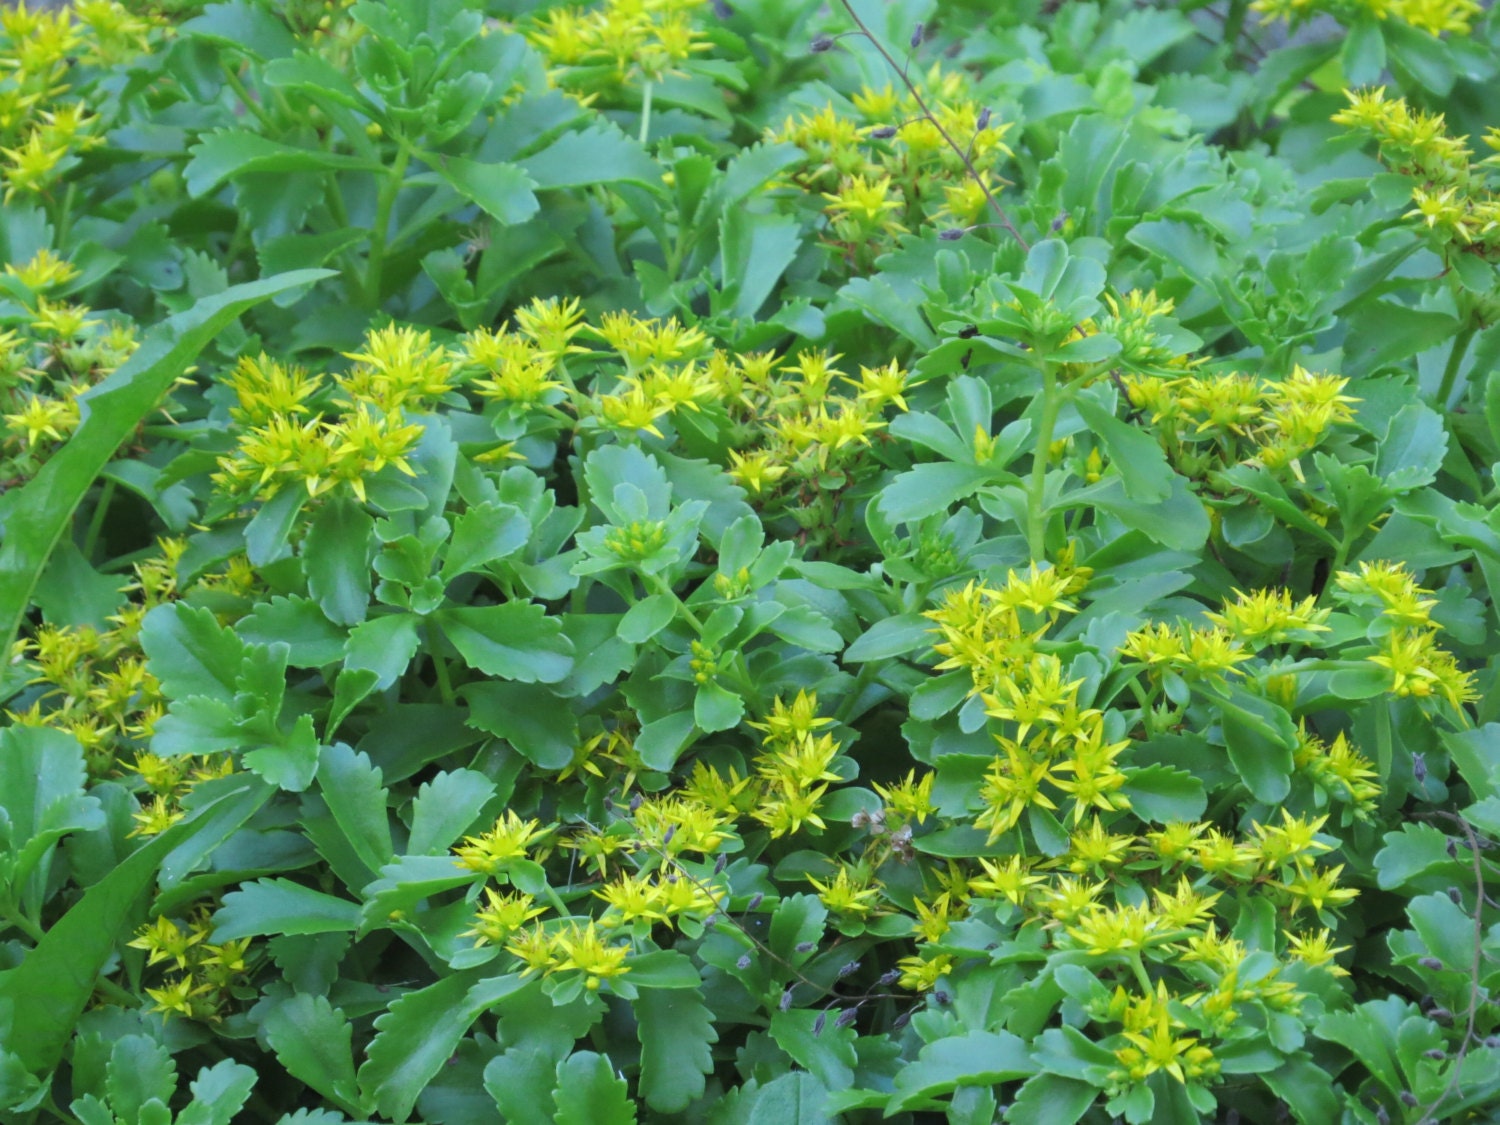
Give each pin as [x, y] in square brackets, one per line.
[703, 562]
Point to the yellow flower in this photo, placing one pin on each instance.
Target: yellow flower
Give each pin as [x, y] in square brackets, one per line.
[910, 799]
[1316, 949]
[1161, 1050]
[1010, 881]
[509, 839]
[165, 940]
[502, 916]
[583, 948]
[847, 894]
[920, 974]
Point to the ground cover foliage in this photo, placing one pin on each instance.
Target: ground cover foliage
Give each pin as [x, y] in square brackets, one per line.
[749, 561]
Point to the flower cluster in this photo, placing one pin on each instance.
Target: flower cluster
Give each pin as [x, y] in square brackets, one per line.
[1406, 635]
[41, 132]
[796, 429]
[1451, 191]
[1207, 421]
[94, 684]
[296, 429]
[206, 972]
[1432, 16]
[597, 52]
[50, 354]
[888, 168]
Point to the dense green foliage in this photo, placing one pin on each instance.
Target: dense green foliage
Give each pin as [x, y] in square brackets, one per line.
[752, 561]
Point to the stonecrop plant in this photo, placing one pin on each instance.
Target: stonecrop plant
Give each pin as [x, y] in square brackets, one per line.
[725, 562]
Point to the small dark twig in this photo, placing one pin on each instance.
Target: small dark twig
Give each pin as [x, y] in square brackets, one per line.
[1004, 219]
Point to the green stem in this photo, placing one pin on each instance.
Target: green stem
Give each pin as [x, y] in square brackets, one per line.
[440, 666]
[96, 521]
[1455, 361]
[1036, 511]
[1138, 967]
[19, 921]
[850, 701]
[252, 104]
[1384, 748]
[646, 112]
[383, 207]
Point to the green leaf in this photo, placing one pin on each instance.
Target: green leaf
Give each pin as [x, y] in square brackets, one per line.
[676, 1030]
[514, 641]
[445, 808]
[311, 639]
[1445, 928]
[1133, 453]
[235, 152]
[291, 762]
[243, 27]
[140, 1069]
[353, 788]
[758, 247]
[828, 1052]
[484, 534]
[219, 1093]
[717, 708]
[1413, 448]
[664, 968]
[588, 1092]
[792, 1099]
[1368, 1032]
[383, 646]
[314, 1042]
[931, 488]
[1305, 1088]
[529, 717]
[415, 1036]
[521, 1081]
[980, 1058]
[503, 191]
[336, 554]
[50, 988]
[1163, 794]
[1411, 851]
[600, 154]
[1047, 1099]
[890, 637]
[42, 796]
[797, 921]
[191, 653]
[280, 906]
[1260, 738]
[647, 617]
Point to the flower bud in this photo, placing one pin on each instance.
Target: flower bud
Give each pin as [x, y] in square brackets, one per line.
[1440, 1015]
[1419, 767]
[847, 968]
[883, 132]
[1408, 1098]
[1436, 1054]
[755, 900]
[952, 234]
[743, 962]
[1430, 963]
[846, 1017]
[984, 120]
[941, 997]
[890, 977]
[722, 10]
[786, 1001]
[819, 1023]
[806, 946]
[916, 36]
[721, 863]
[821, 44]
[1456, 895]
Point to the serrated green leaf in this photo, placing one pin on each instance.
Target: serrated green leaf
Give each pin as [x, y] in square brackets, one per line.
[503, 191]
[191, 653]
[589, 1092]
[676, 1030]
[445, 808]
[484, 534]
[336, 555]
[600, 154]
[280, 906]
[353, 788]
[515, 641]
[219, 1093]
[314, 1042]
[1047, 1099]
